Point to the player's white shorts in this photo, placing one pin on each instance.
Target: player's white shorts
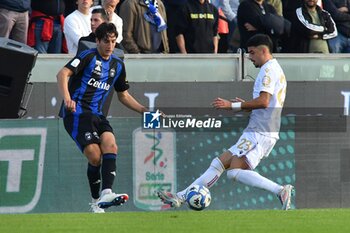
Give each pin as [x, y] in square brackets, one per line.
[254, 147]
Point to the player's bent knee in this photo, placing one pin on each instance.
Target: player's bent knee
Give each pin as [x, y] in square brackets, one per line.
[93, 154]
[109, 148]
[91, 150]
[233, 173]
[95, 161]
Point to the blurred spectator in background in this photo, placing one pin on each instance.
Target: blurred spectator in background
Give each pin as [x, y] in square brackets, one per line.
[172, 8]
[259, 17]
[289, 7]
[223, 31]
[230, 8]
[14, 19]
[340, 12]
[98, 16]
[45, 31]
[144, 29]
[110, 7]
[197, 27]
[227, 23]
[277, 4]
[311, 28]
[118, 6]
[70, 7]
[77, 25]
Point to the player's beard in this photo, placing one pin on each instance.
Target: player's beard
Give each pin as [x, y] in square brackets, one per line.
[255, 64]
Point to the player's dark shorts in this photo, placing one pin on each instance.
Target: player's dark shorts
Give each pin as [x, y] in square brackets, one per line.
[86, 128]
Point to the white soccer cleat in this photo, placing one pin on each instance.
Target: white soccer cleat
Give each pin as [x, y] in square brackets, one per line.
[112, 199]
[169, 198]
[95, 209]
[285, 196]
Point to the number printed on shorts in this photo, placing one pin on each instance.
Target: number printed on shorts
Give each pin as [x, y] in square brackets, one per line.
[245, 144]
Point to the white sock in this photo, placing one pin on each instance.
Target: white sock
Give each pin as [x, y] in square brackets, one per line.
[208, 178]
[254, 179]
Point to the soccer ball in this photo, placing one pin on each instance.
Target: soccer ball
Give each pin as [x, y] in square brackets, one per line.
[198, 197]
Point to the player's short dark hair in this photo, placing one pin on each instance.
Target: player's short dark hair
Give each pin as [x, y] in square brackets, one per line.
[104, 29]
[260, 39]
[102, 12]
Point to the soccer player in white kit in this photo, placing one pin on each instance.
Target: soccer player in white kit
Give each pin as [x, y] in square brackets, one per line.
[258, 138]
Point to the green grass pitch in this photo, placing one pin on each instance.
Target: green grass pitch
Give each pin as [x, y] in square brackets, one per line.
[265, 221]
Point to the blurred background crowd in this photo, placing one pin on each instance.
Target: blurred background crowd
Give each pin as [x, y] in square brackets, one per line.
[180, 26]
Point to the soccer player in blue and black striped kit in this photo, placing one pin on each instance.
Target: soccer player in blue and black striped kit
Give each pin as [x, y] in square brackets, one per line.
[86, 83]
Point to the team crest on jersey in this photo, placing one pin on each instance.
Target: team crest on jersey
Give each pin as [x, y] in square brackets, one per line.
[98, 67]
[266, 81]
[88, 136]
[112, 72]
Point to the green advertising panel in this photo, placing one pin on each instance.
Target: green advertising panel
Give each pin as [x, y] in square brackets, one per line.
[22, 159]
[42, 170]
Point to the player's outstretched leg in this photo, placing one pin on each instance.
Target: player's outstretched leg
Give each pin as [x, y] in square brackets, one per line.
[207, 179]
[108, 199]
[285, 196]
[169, 198]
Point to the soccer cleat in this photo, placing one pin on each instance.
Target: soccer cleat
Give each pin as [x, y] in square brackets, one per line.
[112, 199]
[95, 209]
[285, 196]
[169, 198]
